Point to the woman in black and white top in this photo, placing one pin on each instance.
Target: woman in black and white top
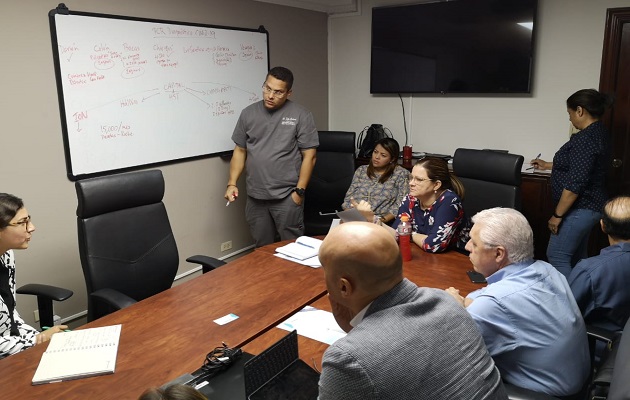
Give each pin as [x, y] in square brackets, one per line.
[16, 230]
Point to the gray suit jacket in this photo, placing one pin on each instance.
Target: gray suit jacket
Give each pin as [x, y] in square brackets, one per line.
[413, 343]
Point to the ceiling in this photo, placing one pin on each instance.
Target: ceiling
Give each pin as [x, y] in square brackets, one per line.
[327, 6]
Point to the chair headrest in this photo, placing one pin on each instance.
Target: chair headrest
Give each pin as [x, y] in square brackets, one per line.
[487, 165]
[336, 141]
[110, 193]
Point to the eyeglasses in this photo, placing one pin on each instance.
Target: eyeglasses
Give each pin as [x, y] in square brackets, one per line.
[24, 222]
[417, 179]
[279, 93]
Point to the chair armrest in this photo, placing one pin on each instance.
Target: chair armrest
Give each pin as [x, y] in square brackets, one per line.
[49, 292]
[114, 298]
[604, 373]
[207, 263]
[519, 393]
[602, 334]
[45, 296]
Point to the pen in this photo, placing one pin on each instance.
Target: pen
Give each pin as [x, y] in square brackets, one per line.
[234, 196]
[45, 328]
[537, 157]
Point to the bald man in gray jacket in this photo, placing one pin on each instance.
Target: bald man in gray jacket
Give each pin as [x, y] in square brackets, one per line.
[403, 342]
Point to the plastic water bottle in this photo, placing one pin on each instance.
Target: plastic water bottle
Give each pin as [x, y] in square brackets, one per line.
[404, 237]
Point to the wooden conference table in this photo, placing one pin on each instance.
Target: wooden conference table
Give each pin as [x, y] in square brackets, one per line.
[169, 334]
[429, 270]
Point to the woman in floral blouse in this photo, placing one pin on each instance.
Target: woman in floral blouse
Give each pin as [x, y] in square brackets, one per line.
[434, 207]
[16, 230]
[382, 183]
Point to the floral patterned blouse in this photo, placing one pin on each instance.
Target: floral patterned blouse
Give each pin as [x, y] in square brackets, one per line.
[442, 222]
[10, 344]
[385, 197]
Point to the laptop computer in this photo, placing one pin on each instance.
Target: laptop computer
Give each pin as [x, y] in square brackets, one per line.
[276, 373]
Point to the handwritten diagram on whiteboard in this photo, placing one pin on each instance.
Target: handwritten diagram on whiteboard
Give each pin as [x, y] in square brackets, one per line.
[140, 92]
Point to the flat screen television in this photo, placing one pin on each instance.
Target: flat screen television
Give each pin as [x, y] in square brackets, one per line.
[459, 46]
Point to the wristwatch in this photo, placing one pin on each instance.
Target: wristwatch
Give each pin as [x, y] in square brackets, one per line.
[300, 191]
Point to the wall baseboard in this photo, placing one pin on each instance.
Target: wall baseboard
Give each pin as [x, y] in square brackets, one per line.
[83, 314]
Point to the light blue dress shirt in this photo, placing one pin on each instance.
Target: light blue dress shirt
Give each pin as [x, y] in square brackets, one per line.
[533, 328]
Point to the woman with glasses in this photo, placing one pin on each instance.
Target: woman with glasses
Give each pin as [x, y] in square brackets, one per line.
[382, 183]
[434, 207]
[16, 230]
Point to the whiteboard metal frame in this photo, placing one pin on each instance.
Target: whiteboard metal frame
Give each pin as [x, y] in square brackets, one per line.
[63, 10]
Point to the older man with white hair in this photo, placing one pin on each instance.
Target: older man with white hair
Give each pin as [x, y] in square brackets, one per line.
[527, 315]
[404, 341]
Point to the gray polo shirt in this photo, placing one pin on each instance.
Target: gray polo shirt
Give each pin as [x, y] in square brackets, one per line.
[273, 140]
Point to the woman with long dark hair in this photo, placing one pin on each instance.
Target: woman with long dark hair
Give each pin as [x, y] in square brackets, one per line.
[578, 180]
[382, 183]
[433, 206]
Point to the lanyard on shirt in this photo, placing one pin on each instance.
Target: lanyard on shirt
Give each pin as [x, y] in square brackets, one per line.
[7, 296]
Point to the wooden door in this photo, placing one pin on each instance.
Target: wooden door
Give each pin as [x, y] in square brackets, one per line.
[615, 79]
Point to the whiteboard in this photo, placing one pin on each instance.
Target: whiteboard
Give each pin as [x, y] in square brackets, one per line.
[138, 92]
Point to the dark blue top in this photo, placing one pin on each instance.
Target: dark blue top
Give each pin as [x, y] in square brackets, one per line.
[442, 222]
[600, 286]
[580, 166]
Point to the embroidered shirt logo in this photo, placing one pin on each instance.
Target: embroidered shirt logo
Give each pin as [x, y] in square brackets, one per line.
[289, 121]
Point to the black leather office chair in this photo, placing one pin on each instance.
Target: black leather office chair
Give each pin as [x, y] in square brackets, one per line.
[610, 380]
[491, 179]
[330, 180]
[620, 384]
[126, 244]
[46, 294]
[599, 381]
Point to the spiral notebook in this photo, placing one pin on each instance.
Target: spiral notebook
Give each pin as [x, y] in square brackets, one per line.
[304, 247]
[79, 354]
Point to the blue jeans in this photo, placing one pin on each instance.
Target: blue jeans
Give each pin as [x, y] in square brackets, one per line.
[570, 245]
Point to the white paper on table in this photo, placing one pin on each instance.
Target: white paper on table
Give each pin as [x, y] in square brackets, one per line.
[350, 215]
[315, 324]
[312, 262]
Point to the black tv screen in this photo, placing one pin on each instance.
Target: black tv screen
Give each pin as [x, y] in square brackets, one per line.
[460, 46]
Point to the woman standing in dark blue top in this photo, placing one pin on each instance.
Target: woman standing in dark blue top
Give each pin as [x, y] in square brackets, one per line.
[578, 173]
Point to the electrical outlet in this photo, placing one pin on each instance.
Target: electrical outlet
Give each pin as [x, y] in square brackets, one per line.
[225, 246]
[36, 315]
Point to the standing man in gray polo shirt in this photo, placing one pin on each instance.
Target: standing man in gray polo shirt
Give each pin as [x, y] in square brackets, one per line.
[276, 141]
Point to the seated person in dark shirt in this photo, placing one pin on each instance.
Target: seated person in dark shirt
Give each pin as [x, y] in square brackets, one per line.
[600, 283]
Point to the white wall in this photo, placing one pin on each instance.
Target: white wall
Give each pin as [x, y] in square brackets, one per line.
[32, 164]
[567, 58]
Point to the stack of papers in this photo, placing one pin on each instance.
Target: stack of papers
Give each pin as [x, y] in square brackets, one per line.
[303, 251]
[316, 324]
